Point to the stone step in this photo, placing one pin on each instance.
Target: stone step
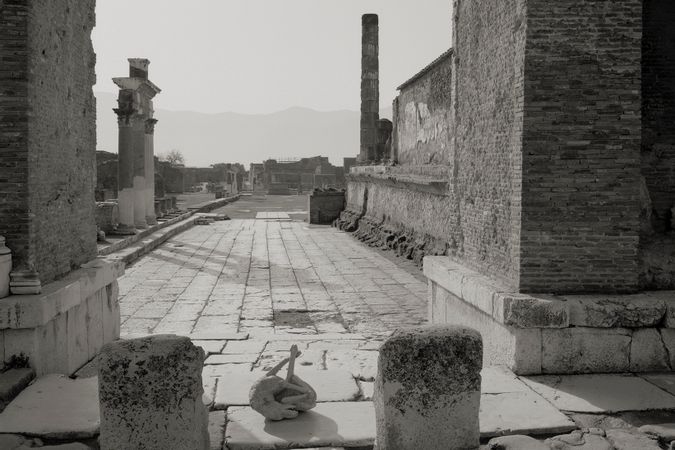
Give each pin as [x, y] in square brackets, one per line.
[54, 407]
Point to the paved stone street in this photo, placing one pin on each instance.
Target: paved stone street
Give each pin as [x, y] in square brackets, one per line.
[268, 276]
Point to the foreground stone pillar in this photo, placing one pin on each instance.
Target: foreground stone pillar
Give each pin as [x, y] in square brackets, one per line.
[427, 390]
[370, 88]
[150, 393]
[150, 217]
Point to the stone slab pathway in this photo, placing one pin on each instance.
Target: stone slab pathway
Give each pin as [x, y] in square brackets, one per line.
[268, 277]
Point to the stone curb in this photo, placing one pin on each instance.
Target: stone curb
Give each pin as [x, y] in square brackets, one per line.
[642, 310]
[132, 248]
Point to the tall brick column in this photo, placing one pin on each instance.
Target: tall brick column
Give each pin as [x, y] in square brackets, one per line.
[136, 159]
[370, 88]
[150, 171]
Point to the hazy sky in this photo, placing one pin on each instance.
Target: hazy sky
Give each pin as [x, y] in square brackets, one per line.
[261, 56]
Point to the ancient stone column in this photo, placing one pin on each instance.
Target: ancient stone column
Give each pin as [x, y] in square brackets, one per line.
[150, 217]
[141, 93]
[427, 390]
[125, 163]
[138, 137]
[150, 392]
[370, 89]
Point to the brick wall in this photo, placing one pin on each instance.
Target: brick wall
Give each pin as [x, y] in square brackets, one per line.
[47, 173]
[486, 165]
[658, 107]
[14, 208]
[581, 145]
[423, 124]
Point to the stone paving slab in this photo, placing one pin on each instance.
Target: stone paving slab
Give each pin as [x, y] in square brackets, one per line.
[341, 424]
[330, 386]
[665, 381]
[600, 393]
[522, 412]
[54, 407]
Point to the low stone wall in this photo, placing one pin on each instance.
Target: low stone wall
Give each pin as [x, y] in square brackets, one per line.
[402, 212]
[63, 328]
[555, 334]
[325, 206]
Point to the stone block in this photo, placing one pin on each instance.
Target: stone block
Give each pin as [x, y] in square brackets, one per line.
[668, 336]
[609, 311]
[478, 293]
[585, 350]
[648, 352]
[517, 348]
[77, 342]
[94, 321]
[54, 407]
[667, 297]
[111, 313]
[427, 390]
[151, 394]
[524, 311]
[631, 440]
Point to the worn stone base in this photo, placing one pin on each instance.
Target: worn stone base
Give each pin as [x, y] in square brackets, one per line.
[66, 325]
[404, 241]
[546, 334]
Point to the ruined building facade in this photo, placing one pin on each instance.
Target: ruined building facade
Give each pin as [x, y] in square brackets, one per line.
[537, 157]
[63, 304]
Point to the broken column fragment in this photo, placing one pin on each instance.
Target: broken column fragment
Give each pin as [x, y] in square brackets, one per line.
[150, 393]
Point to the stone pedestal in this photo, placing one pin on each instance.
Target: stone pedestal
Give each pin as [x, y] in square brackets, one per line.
[64, 327]
[555, 334]
[150, 393]
[427, 389]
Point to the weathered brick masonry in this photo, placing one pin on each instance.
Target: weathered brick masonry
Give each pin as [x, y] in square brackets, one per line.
[581, 146]
[486, 169]
[47, 133]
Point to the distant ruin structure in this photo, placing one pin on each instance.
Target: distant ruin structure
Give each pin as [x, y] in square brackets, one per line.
[284, 177]
[534, 177]
[136, 172]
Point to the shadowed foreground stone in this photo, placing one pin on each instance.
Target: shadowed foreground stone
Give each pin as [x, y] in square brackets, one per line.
[151, 395]
[427, 390]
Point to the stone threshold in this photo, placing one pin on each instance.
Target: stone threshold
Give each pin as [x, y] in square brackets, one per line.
[642, 310]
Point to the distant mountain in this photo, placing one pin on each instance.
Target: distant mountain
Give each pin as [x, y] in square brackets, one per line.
[206, 139]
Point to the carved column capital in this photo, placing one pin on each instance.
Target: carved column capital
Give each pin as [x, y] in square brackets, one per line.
[150, 126]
